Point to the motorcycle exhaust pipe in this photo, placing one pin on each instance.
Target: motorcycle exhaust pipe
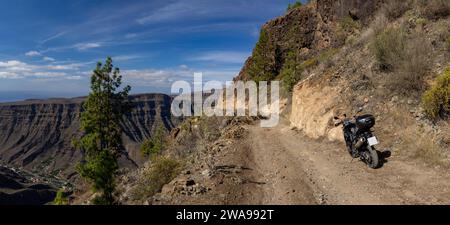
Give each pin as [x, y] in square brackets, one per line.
[360, 143]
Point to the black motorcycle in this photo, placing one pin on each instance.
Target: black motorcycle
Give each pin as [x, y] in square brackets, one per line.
[359, 138]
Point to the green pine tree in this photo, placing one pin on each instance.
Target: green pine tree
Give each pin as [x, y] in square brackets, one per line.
[154, 145]
[262, 67]
[103, 112]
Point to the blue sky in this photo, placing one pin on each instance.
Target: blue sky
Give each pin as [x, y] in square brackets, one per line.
[49, 47]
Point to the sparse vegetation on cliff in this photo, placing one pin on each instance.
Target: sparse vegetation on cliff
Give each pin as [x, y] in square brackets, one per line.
[154, 145]
[297, 4]
[162, 171]
[262, 66]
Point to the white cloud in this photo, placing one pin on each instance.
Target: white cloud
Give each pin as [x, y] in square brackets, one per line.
[14, 69]
[126, 57]
[165, 77]
[49, 74]
[15, 66]
[74, 78]
[85, 46]
[9, 75]
[222, 57]
[33, 53]
[12, 63]
[49, 59]
[72, 66]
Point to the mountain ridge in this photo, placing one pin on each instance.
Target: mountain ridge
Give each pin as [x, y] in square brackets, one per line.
[36, 132]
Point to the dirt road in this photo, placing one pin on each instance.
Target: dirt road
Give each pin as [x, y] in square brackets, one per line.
[298, 170]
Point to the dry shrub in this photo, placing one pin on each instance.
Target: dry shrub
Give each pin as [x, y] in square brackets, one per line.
[414, 65]
[428, 150]
[347, 27]
[389, 47]
[417, 143]
[396, 8]
[161, 172]
[404, 57]
[435, 9]
[379, 23]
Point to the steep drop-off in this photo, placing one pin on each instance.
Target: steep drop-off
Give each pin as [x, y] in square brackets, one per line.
[37, 134]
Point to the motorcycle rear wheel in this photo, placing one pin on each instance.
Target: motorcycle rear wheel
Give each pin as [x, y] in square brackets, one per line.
[372, 159]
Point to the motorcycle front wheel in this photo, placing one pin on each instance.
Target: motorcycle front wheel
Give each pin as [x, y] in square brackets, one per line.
[371, 158]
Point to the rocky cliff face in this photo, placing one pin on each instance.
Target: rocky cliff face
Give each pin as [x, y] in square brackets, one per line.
[306, 31]
[37, 134]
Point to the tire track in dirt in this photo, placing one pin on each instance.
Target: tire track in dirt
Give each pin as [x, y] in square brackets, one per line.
[299, 170]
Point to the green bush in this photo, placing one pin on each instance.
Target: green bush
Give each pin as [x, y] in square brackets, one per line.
[436, 101]
[60, 198]
[155, 144]
[297, 4]
[161, 172]
[291, 72]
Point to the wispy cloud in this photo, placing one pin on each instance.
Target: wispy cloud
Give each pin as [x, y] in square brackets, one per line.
[55, 36]
[168, 12]
[33, 53]
[49, 74]
[74, 77]
[85, 46]
[48, 59]
[120, 58]
[222, 57]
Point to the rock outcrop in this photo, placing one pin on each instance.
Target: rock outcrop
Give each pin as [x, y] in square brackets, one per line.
[306, 30]
[37, 134]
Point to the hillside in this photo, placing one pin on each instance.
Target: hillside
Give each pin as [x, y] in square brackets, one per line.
[332, 57]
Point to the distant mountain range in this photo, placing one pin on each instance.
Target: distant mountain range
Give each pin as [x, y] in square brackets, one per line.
[12, 96]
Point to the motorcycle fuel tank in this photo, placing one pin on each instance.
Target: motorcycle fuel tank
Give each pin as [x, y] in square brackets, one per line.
[365, 122]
